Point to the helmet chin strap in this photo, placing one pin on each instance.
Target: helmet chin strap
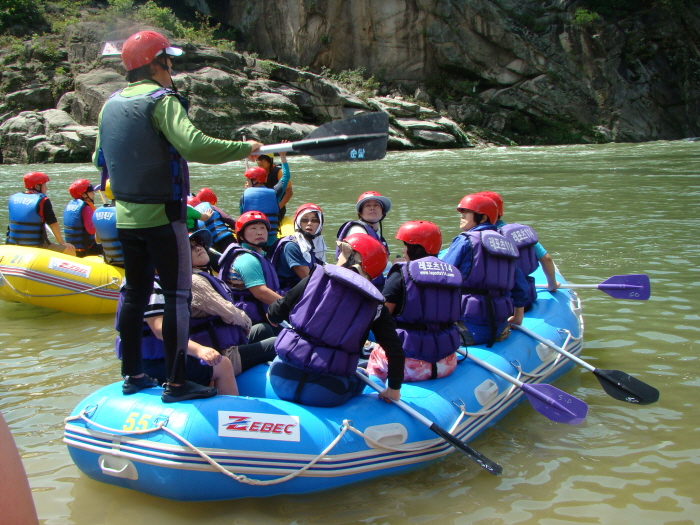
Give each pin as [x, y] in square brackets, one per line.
[255, 244]
[371, 222]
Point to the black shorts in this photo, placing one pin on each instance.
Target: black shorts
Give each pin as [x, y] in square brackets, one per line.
[196, 371]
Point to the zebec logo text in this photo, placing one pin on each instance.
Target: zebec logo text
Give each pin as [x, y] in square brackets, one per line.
[252, 425]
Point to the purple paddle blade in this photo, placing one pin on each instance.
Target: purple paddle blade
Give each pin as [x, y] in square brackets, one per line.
[555, 404]
[636, 287]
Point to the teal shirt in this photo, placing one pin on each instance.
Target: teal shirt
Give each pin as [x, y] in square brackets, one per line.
[246, 272]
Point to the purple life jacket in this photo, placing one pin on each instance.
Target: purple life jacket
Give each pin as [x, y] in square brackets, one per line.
[431, 307]
[524, 239]
[485, 291]
[330, 322]
[211, 331]
[274, 253]
[343, 232]
[244, 299]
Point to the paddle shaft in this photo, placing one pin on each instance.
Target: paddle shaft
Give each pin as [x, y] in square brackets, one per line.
[531, 391]
[484, 462]
[491, 368]
[319, 143]
[554, 347]
[601, 286]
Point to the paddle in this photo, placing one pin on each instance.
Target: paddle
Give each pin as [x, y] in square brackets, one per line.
[635, 287]
[483, 461]
[548, 400]
[616, 384]
[359, 138]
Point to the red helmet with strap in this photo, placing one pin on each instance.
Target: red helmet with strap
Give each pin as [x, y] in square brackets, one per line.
[305, 208]
[480, 204]
[142, 47]
[33, 178]
[207, 195]
[372, 195]
[248, 218]
[79, 187]
[425, 233]
[495, 197]
[193, 201]
[257, 174]
[374, 256]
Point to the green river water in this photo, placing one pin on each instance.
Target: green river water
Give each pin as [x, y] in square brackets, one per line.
[600, 211]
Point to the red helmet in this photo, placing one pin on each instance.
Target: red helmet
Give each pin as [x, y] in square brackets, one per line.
[480, 204]
[79, 187]
[305, 208]
[374, 256]
[372, 195]
[142, 47]
[193, 201]
[248, 218]
[207, 195]
[495, 197]
[257, 174]
[425, 233]
[33, 178]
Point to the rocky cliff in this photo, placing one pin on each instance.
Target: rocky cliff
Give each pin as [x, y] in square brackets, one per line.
[49, 108]
[449, 73]
[536, 71]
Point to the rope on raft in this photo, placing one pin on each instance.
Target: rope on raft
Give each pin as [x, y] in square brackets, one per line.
[344, 427]
[114, 282]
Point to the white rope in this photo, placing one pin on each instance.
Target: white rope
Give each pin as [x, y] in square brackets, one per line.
[346, 425]
[238, 477]
[115, 281]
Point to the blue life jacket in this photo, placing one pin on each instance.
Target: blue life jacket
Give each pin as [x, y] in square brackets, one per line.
[215, 225]
[525, 239]
[263, 200]
[143, 166]
[343, 232]
[105, 221]
[274, 254]
[26, 226]
[430, 309]
[486, 300]
[73, 227]
[330, 322]
[244, 299]
[211, 331]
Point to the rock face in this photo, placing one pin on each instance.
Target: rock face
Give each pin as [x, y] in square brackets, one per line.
[525, 68]
[46, 136]
[230, 96]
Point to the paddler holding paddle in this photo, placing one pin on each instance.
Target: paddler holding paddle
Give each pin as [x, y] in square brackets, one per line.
[532, 253]
[494, 290]
[145, 140]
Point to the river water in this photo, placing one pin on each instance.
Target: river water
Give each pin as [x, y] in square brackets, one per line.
[600, 210]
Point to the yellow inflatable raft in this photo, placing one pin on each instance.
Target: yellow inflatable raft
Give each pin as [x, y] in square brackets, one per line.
[286, 227]
[61, 282]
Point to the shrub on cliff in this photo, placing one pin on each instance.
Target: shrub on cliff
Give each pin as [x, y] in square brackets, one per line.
[20, 16]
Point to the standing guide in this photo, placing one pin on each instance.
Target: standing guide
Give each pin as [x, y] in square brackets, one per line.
[145, 138]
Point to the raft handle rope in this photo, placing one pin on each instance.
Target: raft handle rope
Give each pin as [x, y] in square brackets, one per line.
[497, 404]
[114, 282]
[344, 427]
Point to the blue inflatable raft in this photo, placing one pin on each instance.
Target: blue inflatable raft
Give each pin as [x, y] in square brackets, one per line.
[256, 445]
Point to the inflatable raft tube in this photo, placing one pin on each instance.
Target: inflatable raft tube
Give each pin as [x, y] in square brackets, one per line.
[256, 445]
[57, 281]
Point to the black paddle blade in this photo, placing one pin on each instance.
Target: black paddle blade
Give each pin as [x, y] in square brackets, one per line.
[356, 139]
[625, 387]
[484, 462]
